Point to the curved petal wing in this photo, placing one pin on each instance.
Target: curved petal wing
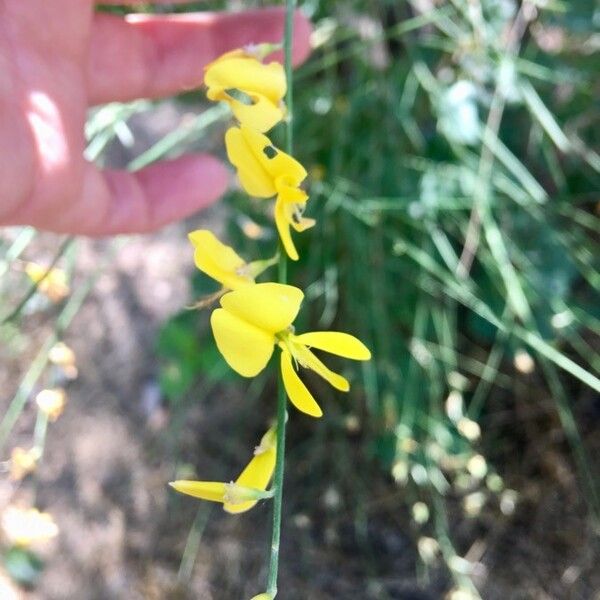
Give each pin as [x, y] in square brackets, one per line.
[336, 342]
[205, 490]
[309, 361]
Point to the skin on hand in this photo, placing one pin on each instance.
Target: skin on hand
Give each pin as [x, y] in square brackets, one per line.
[59, 58]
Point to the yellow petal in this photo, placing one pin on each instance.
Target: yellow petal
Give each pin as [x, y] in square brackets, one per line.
[263, 596]
[308, 360]
[290, 193]
[271, 307]
[263, 169]
[282, 223]
[247, 75]
[256, 475]
[261, 115]
[335, 342]
[214, 491]
[236, 53]
[230, 494]
[246, 347]
[250, 109]
[255, 180]
[274, 161]
[218, 260]
[297, 392]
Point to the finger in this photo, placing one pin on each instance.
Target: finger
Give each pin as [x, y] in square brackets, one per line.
[116, 202]
[123, 2]
[143, 56]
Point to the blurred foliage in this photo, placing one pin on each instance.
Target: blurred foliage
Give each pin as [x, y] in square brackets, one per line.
[23, 565]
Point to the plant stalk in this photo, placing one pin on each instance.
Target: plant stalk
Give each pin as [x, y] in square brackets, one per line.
[282, 278]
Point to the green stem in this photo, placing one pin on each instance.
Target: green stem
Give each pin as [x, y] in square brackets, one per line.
[39, 444]
[282, 278]
[39, 433]
[188, 560]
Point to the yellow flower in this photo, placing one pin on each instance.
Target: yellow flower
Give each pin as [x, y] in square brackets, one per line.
[64, 358]
[24, 527]
[222, 263]
[263, 596]
[22, 462]
[253, 90]
[265, 171]
[52, 402]
[254, 319]
[52, 283]
[248, 488]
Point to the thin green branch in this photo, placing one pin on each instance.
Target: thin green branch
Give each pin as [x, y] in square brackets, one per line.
[282, 278]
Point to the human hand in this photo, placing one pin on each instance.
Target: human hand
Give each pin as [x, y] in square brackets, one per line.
[57, 59]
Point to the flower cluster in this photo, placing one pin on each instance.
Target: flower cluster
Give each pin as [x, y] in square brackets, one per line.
[256, 319]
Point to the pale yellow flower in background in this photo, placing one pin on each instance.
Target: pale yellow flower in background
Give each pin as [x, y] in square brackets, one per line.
[222, 263]
[25, 527]
[250, 487]
[265, 171]
[63, 357]
[53, 283]
[22, 462]
[253, 230]
[253, 90]
[52, 402]
[252, 320]
[263, 596]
